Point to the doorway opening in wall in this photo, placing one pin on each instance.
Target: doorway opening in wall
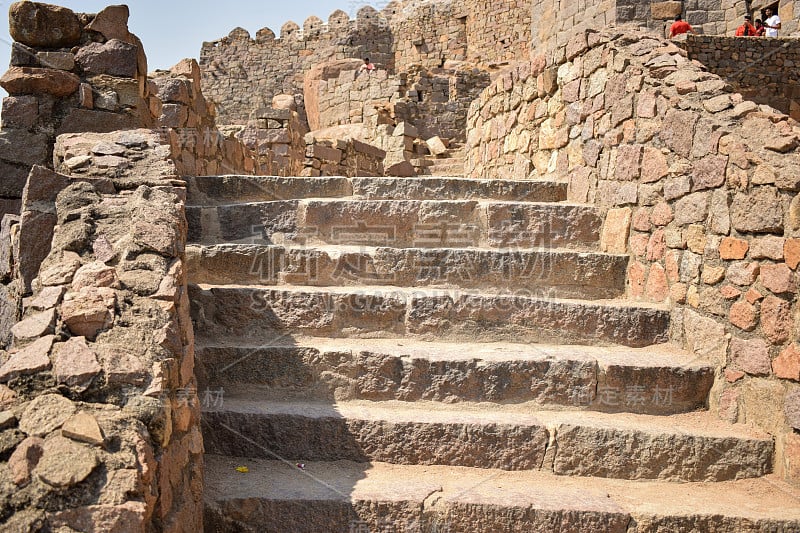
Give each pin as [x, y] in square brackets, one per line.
[760, 14]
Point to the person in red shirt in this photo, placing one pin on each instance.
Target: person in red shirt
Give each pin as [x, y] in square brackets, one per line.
[747, 29]
[680, 27]
[760, 29]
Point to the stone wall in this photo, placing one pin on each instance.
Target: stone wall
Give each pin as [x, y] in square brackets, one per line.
[241, 75]
[341, 157]
[762, 70]
[276, 137]
[434, 102]
[709, 17]
[701, 187]
[100, 413]
[555, 22]
[69, 72]
[431, 33]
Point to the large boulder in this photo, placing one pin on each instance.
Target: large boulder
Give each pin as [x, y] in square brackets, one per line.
[43, 25]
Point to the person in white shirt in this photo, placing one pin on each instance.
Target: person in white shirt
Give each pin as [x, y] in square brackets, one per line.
[772, 23]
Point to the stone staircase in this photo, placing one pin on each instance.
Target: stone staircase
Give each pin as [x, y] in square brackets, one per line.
[447, 355]
[451, 163]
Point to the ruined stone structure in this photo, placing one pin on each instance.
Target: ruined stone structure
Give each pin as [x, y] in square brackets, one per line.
[591, 327]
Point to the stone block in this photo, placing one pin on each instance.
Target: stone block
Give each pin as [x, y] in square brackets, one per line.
[115, 58]
[32, 80]
[20, 112]
[709, 172]
[751, 356]
[43, 25]
[436, 146]
[614, 238]
[665, 10]
[760, 211]
[787, 364]
[56, 60]
[776, 319]
[733, 248]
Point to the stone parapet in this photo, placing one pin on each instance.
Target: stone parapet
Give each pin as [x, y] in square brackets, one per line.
[762, 70]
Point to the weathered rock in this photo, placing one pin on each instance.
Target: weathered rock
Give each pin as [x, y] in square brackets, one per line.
[115, 58]
[30, 360]
[43, 25]
[75, 364]
[436, 146]
[35, 326]
[60, 269]
[89, 311]
[751, 356]
[128, 517]
[45, 414]
[94, 274]
[7, 420]
[65, 463]
[787, 364]
[761, 211]
[83, 427]
[24, 460]
[112, 23]
[30, 80]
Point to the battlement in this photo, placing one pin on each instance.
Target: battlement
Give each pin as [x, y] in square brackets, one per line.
[242, 73]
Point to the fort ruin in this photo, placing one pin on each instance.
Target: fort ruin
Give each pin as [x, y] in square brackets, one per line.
[536, 272]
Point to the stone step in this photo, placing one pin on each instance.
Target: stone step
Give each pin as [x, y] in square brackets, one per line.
[398, 223]
[214, 190]
[429, 314]
[276, 497]
[556, 273]
[657, 380]
[682, 448]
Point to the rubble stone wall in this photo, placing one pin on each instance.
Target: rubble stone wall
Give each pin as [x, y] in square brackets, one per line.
[84, 72]
[555, 22]
[98, 397]
[342, 157]
[185, 119]
[70, 72]
[701, 189]
[762, 70]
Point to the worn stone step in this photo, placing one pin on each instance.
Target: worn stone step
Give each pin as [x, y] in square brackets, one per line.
[398, 223]
[214, 190]
[276, 497]
[428, 314]
[556, 273]
[686, 447]
[657, 380]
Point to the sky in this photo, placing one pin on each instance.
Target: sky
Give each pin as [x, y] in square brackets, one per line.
[174, 29]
